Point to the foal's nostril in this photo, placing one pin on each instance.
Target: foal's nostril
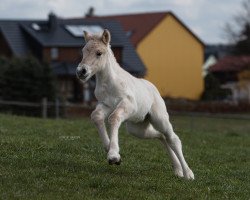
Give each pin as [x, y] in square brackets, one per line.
[83, 72]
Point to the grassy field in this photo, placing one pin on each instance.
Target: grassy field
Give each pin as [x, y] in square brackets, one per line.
[64, 159]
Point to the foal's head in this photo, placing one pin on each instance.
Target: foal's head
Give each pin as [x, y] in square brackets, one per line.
[94, 55]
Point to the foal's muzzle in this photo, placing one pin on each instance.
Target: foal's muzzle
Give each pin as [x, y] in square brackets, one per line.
[81, 72]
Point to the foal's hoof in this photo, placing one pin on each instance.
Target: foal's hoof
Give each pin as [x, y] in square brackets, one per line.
[178, 172]
[188, 175]
[114, 161]
[114, 158]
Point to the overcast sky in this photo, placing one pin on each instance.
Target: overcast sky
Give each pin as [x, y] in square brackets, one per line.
[206, 18]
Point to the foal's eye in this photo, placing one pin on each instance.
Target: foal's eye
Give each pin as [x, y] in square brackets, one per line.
[98, 53]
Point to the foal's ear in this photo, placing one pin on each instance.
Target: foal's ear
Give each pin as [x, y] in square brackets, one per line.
[86, 36]
[106, 37]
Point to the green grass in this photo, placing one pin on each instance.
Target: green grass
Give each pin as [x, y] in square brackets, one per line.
[64, 159]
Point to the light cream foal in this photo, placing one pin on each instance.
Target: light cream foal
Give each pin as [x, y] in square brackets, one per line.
[124, 98]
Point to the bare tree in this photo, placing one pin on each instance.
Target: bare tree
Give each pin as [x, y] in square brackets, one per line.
[238, 30]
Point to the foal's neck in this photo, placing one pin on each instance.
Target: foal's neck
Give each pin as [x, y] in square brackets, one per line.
[109, 71]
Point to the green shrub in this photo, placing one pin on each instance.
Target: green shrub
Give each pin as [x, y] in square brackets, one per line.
[213, 91]
[26, 80]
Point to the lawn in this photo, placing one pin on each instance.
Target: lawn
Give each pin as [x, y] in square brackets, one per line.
[64, 159]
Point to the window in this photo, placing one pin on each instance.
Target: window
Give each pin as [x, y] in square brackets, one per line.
[36, 26]
[77, 30]
[66, 88]
[54, 53]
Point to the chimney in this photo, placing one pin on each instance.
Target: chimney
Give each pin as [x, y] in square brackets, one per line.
[91, 12]
[52, 22]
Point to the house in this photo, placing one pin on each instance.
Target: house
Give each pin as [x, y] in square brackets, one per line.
[171, 52]
[213, 53]
[233, 72]
[59, 42]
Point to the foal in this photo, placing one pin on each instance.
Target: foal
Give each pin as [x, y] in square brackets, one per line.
[124, 98]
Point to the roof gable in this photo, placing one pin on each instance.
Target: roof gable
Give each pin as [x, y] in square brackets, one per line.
[140, 25]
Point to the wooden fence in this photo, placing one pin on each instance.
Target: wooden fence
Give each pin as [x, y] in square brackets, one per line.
[45, 108]
[59, 109]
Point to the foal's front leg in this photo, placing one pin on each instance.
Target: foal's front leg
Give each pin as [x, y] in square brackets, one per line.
[98, 116]
[119, 115]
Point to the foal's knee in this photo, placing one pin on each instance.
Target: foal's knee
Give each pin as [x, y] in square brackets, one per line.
[114, 119]
[97, 117]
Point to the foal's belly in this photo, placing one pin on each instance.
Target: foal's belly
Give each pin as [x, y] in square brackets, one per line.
[137, 117]
[140, 114]
[144, 100]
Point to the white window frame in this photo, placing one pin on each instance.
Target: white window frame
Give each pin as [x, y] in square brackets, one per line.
[54, 53]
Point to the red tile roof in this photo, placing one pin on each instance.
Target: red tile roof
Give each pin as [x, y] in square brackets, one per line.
[141, 24]
[231, 63]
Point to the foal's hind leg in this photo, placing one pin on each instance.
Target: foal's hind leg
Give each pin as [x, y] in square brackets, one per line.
[175, 161]
[160, 120]
[145, 130]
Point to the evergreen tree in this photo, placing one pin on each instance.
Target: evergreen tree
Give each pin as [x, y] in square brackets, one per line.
[26, 80]
[213, 91]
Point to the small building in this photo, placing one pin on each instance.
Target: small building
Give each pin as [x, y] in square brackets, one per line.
[171, 52]
[233, 72]
[59, 43]
[213, 53]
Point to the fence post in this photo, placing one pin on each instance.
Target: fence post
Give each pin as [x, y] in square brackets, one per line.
[44, 107]
[57, 108]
